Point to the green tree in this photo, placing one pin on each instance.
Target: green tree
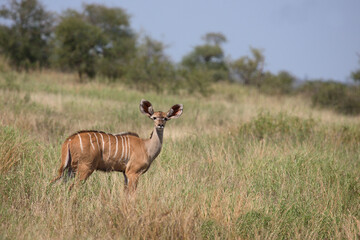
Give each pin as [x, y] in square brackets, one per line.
[77, 44]
[151, 68]
[282, 83]
[25, 34]
[119, 39]
[209, 56]
[250, 69]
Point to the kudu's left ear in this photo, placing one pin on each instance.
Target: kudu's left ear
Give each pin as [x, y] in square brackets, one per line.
[175, 111]
[146, 108]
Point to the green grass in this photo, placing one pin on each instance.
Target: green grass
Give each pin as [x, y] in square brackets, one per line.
[235, 165]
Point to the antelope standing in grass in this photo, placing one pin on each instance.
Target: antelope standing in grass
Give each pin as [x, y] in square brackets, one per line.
[86, 151]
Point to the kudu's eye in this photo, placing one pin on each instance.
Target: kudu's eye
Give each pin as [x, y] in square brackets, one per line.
[166, 119]
[154, 118]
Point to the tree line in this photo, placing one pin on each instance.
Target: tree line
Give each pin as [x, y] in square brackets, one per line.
[99, 41]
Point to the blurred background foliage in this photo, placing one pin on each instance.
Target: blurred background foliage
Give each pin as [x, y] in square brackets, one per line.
[100, 42]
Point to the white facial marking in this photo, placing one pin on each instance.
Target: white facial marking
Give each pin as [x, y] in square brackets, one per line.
[92, 145]
[81, 146]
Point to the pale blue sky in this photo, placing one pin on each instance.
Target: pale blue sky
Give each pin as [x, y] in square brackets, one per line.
[309, 38]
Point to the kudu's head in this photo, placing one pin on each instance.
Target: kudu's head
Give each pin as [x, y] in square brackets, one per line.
[160, 118]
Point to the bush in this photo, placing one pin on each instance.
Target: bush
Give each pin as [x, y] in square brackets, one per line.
[277, 127]
[144, 74]
[338, 96]
[282, 83]
[329, 94]
[197, 80]
[351, 101]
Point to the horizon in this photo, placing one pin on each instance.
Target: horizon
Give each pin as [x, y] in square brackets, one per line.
[309, 39]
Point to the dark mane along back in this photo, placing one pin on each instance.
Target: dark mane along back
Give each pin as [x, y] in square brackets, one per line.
[127, 133]
[82, 131]
[95, 131]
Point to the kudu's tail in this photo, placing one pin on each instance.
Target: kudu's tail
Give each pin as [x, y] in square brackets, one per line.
[65, 164]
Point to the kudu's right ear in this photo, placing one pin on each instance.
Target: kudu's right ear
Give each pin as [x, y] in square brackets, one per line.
[146, 108]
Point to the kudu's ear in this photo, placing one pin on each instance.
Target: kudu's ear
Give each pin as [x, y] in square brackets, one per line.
[175, 111]
[146, 108]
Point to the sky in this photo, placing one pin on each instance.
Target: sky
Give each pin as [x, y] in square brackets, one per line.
[312, 39]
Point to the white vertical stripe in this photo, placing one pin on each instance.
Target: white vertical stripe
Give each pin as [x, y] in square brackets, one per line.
[103, 143]
[109, 146]
[81, 146]
[122, 148]
[97, 141]
[116, 146]
[67, 156]
[92, 145]
[125, 143]
[129, 147]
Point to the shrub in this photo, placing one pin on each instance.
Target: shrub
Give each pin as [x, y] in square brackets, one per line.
[151, 68]
[338, 96]
[328, 94]
[277, 127]
[144, 74]
[197, 80]
[350, 104]
[282, 83]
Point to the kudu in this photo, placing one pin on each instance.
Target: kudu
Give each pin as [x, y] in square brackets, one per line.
[86, 151]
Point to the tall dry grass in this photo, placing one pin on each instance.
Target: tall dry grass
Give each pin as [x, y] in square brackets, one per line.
[236, 165]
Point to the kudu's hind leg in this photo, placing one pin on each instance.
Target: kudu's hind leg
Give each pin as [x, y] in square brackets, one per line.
[126, 181]
[57, 177]
[60, 174]
[83, 172]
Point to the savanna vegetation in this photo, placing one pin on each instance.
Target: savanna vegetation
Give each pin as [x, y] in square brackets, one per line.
[237, 164]
[252, 156]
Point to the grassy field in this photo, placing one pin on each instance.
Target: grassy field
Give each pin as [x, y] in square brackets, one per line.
[235, 165]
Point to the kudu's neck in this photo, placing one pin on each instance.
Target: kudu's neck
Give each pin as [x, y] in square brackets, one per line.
[154, 144]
